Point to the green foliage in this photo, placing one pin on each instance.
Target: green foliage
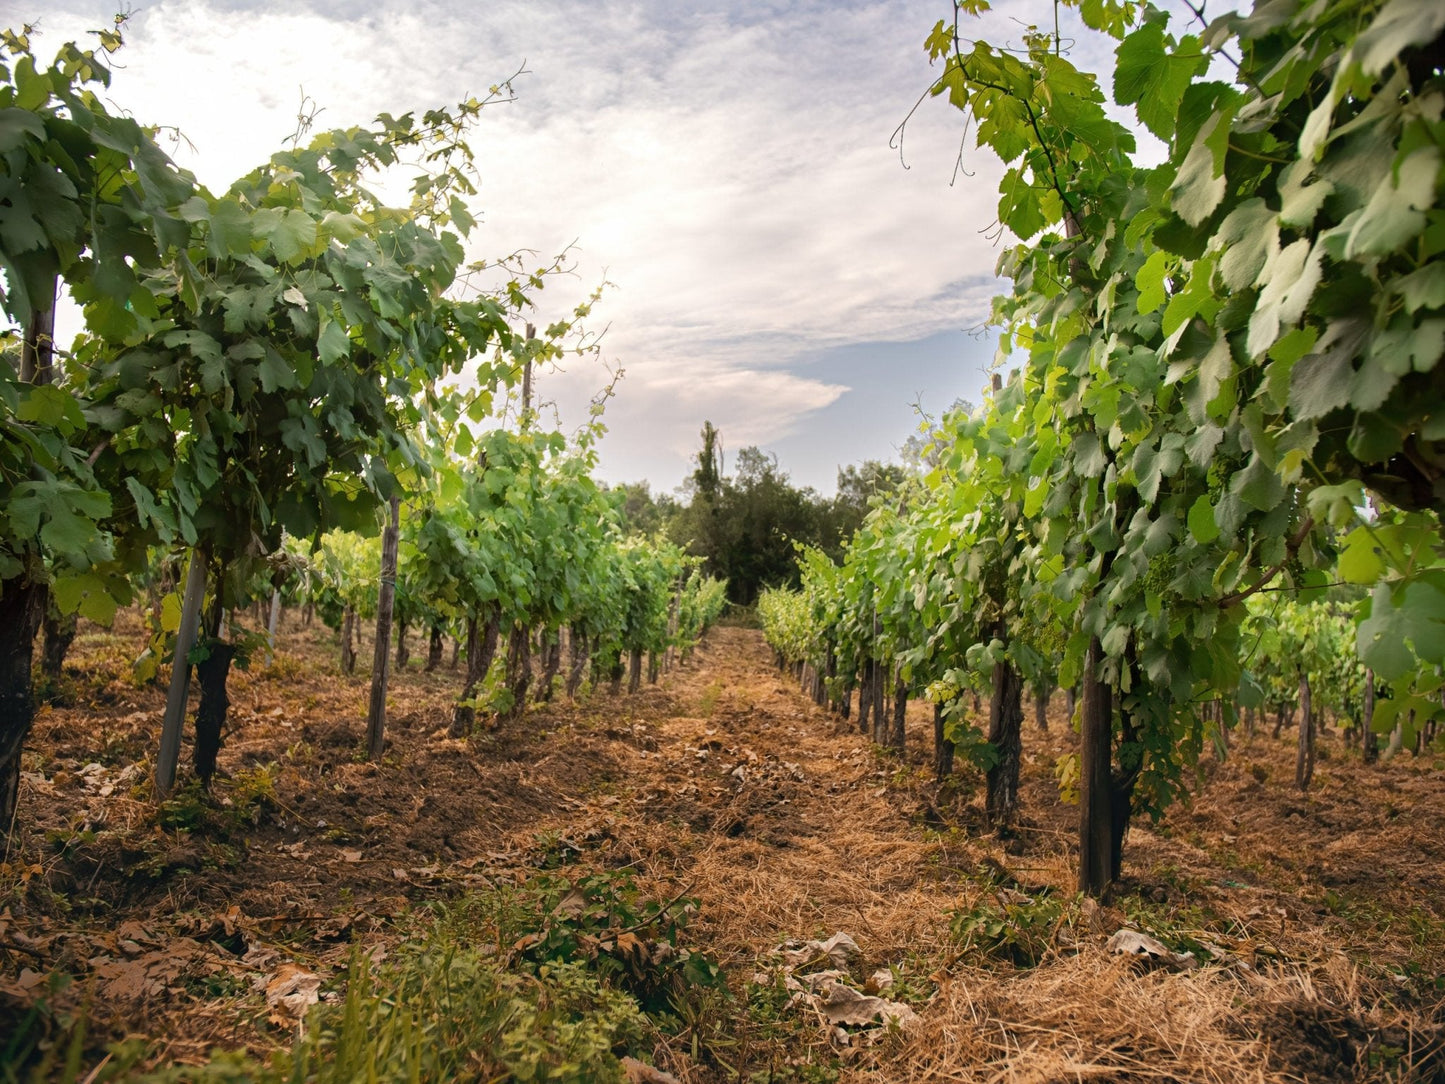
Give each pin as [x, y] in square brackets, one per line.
[1285, 640]
[523, 536]
[46, 1043]
[1005, 924]
[548, 980]
[1224, 367]
[85, 195]
[240, 803]
[641, 511]
[346, 567]
[600, 921]
[437, 1012]
[745, 525]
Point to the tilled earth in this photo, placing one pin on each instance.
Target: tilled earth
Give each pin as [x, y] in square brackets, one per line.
[1321, 915]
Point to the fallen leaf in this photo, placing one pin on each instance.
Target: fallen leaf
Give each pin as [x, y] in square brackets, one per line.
[842, 1004]
[840, 949]
[1141, 946]
[640, 1073]
[290, 991]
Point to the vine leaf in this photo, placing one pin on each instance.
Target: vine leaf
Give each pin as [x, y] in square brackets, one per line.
[1412, 615]
[1200, 184]
[1396, 211]
[1399, 25]
[1321, 382]
[1202, 527]
[1152, 77]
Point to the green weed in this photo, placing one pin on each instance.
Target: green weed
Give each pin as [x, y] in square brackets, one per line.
[1005, 924]
[600, 921]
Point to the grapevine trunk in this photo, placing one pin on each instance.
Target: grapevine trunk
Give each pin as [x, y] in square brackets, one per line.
[22, 608]
[211, 673]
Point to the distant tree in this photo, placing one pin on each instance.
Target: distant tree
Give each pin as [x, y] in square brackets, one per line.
[857, 487]
[762, 515]
[708, 475]
[744, 525]
[643, 512]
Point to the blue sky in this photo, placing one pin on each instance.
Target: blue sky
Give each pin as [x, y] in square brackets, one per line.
[726, 166]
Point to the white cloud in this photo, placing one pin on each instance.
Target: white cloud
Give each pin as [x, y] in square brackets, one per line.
[727, 167]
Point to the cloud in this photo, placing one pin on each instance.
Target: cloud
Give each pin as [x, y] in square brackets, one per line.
[726, 166]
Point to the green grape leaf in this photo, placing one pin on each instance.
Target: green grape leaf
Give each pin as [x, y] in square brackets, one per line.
[333, 343]
[1258, 486]
[1321, 382]
[1247, 235]
[1423, 289]
[1399, 25]
[87, 594]
[230, 229]
[1395, 214]
[17, 125]
[1150, 281]
[171, 613]
[1200, 184]
[293, 237]
[1202, 527]
[1360, 560]
[1153, 76]
[1401, 620]
[275, 373]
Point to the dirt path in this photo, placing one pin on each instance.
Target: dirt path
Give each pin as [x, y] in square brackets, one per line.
[778, 816]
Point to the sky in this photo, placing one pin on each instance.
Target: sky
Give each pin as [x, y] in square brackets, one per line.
[773, 264]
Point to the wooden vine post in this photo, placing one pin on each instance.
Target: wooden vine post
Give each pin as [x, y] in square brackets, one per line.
[37, 352]
[1304, 764]
[174, 721]
[1369, 739]
[527, 374]
[381, 654]
[1095, 804]
[24, 600]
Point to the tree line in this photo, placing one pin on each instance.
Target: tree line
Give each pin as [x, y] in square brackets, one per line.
[745, 525]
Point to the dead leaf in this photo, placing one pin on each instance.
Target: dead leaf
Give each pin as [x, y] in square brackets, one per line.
[640, 1073]
[842, 1004]
[290, 991]
[840, 950]
[148, 975]
[258, 956]
[1141, 946]
[1101, 919]
[572, 905]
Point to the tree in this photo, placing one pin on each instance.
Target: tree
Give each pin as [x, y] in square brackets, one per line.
[858, 487]
[643, 512]
[708, 475]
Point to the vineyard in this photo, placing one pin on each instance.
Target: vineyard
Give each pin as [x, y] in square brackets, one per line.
[1109, 748]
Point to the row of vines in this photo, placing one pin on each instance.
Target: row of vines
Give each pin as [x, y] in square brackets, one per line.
[288, 388]
[1210, 481]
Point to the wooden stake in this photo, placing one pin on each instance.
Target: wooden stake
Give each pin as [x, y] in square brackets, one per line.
[274, 621]
[381, 655]
[1096, 753]
[1304, 764]
[170, 751]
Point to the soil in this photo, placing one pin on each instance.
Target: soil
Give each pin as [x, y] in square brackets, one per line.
[1318, 917]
